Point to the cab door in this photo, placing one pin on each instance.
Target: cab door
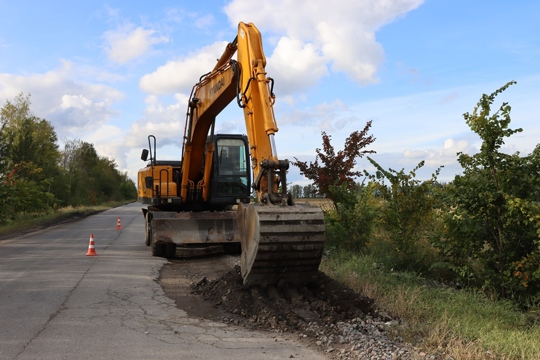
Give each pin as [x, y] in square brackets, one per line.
[231, 174]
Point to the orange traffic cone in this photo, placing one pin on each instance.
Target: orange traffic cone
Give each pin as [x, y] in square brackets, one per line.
[118, 225]
[91, 249]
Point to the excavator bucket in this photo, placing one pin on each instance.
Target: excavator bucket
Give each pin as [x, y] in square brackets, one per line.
[280, 244]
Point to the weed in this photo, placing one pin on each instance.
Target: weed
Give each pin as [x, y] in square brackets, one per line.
[461, 323]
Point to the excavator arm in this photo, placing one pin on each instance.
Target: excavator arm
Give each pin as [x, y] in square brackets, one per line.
[244, 79]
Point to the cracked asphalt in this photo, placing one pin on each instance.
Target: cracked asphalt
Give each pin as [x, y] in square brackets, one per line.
[57, 303]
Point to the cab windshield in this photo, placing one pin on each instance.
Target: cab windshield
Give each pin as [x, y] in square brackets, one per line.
[232, 166]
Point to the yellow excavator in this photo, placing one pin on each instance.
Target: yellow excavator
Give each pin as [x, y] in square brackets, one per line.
[205, 198]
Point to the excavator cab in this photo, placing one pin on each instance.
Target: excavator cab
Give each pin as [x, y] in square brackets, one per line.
[230, 180]
[231, 175]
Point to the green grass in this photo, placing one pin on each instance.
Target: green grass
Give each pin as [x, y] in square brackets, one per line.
[25, 222]
[463, 324]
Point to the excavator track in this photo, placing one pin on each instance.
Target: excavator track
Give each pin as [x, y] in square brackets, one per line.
[280, 244]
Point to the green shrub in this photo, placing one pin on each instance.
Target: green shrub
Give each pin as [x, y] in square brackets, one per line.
[492, 214]
[407, 219]
[350, 224]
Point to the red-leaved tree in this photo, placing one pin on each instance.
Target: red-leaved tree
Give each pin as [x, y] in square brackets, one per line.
[337, 168]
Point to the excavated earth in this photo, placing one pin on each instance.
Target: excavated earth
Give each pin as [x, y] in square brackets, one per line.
[325, 314]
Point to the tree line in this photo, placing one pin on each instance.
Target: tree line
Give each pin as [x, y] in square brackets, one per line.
[480, 231]
[36, 176]
[307, 191]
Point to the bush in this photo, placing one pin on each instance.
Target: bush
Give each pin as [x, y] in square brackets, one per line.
[350, 225]
[407, 218]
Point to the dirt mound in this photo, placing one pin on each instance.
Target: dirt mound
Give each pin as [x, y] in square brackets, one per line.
[286, 308]
[325, 314]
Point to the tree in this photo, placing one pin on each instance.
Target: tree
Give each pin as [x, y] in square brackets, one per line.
[36, 177]
[92, 178]
[128, 190]
[337, 168]
[3, 147]
[3, 162]
[493, 215]
[22, 193]
[296, 191]
[29, 159]
[309, 191]
[29, 138]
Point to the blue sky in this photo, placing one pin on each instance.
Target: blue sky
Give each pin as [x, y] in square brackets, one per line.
[111, 73]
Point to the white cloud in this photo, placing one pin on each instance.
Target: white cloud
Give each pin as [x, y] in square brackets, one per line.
[445, 155]
[337, 36]
[108, 142]
[127, 42]
[165, 122]
[297, 65]
[340, 32]
[352, 50]
[450, 145]
[73, 106]
[77, 111]
[180, 75]
[300, 129]
[204, 21]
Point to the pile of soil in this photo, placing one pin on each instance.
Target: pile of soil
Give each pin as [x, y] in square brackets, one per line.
[288, 308]
[325, 314]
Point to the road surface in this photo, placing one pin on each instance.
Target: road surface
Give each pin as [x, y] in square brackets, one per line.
[57, 303]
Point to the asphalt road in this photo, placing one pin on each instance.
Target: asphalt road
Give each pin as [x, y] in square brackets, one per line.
[57, 303]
